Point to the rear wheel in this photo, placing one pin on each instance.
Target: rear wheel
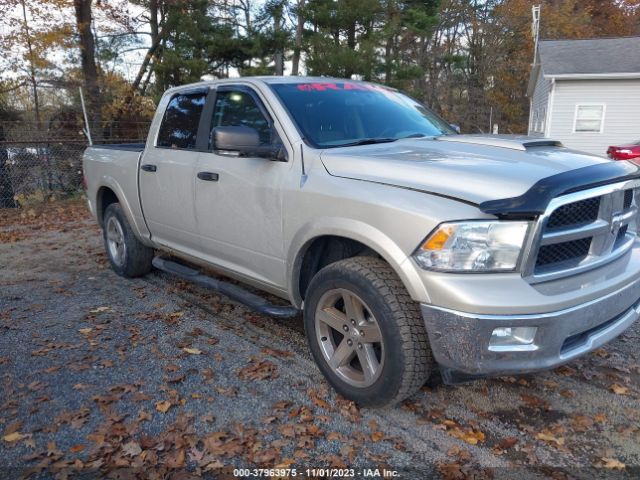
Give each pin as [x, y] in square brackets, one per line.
[127, 255]
[365, 332]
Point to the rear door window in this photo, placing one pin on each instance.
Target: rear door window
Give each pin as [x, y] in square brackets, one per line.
[179, 126]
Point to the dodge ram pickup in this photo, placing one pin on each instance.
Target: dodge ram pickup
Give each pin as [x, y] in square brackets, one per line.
[407, 246]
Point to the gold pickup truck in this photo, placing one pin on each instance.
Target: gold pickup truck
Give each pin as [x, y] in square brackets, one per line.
[407, 246]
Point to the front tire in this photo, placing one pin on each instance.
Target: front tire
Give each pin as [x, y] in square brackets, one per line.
[127, 256]
[366, 333]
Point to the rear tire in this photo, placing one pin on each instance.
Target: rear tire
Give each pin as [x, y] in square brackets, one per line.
[381, 356]
[127, 255]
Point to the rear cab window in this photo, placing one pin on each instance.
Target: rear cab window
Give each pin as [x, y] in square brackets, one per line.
[179, 127]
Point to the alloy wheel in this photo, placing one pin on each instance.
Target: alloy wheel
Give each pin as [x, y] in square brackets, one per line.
[350, 338]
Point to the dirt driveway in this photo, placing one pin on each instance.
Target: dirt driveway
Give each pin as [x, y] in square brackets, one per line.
[155, 378]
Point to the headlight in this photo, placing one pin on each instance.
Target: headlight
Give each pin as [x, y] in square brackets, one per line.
[476, 246]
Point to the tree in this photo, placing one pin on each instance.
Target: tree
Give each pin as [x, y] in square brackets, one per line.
[344, 37]
[86, 42]
[297, 46]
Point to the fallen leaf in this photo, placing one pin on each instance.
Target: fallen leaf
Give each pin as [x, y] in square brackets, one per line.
[131, 449]
[76, 448]
[163, 406]
[507, 443]
[619, 389]
[195, 455]
[14, 427]
[613, 464]
[600, 418]
[534, 402]
[13, 437]
[472, 437]
[581, 423]
[215, 465]
[85, 331]
[143, 415]
[100, 309]
[33, 386]
[192, 351]
[550, 438]
[259, 370]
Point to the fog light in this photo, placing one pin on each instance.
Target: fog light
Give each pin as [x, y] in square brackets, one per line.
[513, 339]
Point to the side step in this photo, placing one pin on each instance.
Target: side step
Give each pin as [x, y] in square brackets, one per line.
[255, 302]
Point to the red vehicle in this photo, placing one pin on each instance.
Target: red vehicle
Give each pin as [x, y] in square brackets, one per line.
[625, 152]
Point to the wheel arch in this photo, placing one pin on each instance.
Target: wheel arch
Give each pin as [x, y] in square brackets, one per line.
[104, 197]
[110, 192]
[332, 240]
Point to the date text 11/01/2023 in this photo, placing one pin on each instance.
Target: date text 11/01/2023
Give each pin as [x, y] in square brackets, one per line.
[315, 473]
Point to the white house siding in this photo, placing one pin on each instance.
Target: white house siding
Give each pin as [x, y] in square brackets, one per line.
[621, 116]
[539, 102]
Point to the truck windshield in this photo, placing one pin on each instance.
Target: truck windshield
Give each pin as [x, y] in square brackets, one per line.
[338, 114]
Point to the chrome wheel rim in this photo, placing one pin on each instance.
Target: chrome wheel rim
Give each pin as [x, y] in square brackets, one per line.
[349, 337]
[115, 241]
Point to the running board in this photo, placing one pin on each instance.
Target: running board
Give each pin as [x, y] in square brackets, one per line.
[239, 294]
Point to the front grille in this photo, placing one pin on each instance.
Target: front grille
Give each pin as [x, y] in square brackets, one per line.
[574, 251]
[584, 211]
[591, 230]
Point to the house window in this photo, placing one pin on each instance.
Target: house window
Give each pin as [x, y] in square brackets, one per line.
[589, 118]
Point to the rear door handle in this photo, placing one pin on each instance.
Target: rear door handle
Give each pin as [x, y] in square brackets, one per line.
[149, 168]
[208, 176]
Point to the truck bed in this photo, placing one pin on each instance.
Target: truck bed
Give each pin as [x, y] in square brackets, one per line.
[115, 167]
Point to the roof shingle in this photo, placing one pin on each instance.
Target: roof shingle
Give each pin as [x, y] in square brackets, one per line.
[593, 56]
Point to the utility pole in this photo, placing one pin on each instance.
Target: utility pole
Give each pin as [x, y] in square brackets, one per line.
[535, 30]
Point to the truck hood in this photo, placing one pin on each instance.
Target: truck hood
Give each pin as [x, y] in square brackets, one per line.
[471, 168]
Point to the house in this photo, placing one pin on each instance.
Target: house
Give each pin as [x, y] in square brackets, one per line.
[586, 93]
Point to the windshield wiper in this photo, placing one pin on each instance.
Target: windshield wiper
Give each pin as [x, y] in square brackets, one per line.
[368, 141]
[414, 135]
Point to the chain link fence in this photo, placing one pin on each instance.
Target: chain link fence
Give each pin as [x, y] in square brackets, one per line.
[38, 163]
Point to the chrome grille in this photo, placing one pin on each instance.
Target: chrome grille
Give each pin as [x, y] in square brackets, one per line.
[583, 230]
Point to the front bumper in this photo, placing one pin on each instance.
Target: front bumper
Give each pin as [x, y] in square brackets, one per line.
[460, 341]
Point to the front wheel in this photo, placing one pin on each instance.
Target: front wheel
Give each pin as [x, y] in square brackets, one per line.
[365, 332]
[127, 255]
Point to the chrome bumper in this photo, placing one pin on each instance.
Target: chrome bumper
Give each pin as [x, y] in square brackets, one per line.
[460, 341]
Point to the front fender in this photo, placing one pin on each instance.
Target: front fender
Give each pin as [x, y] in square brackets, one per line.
[362, 232]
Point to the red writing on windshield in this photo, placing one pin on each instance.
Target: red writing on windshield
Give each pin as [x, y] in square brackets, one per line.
[323, 87]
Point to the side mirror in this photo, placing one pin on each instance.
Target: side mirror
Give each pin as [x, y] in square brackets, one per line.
[455, 127]
[235, 138]
[246, 142]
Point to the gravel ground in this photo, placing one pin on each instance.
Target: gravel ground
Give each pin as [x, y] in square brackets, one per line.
[156, 378]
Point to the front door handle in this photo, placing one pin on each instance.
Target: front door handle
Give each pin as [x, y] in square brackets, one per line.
[208, 176]
[149, 168]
